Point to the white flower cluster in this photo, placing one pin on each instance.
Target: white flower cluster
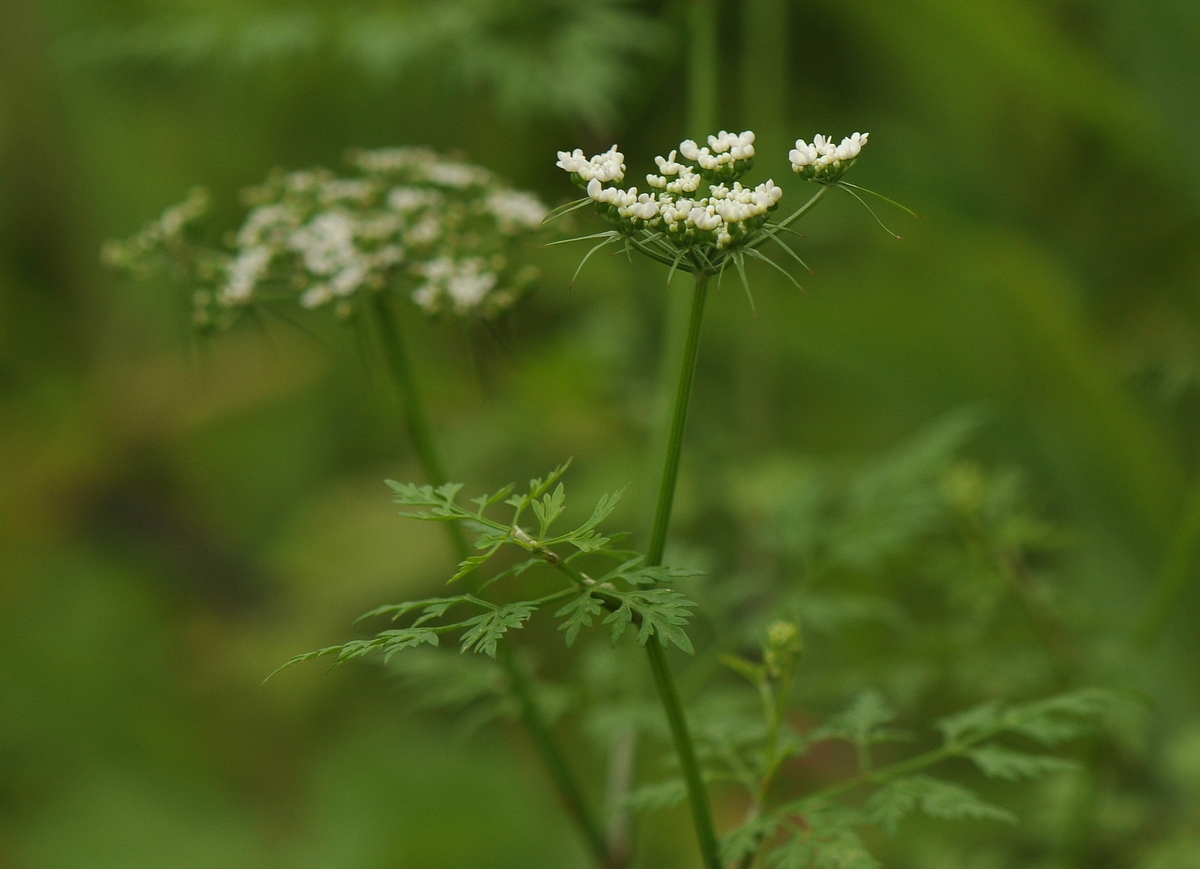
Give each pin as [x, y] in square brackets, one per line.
[408, 214]
[822, 160]
[723, 218]
[609, 166]
[143, 252]
[727, 155]
[466, 282]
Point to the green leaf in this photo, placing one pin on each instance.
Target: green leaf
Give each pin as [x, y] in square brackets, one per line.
[657, 796]
[663, 612]
[863, 723]
[582, 611]
[484, 631]
[984, 719]
[653, 575]
[604, 508]
[441, 500]
[739, 844]
[755, 674]
[1059, 718]
[396, 610]
[538, 486]
[999, 762]
[473, 562]
[888, 806]
[387, 643]
[620, 620]
[548, 509]
[842, 849]
[485, 501]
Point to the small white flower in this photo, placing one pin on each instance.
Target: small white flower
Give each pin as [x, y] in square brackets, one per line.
[316, 295]
[458, 175]
[609, 166]
[244, 273]
[409, 199]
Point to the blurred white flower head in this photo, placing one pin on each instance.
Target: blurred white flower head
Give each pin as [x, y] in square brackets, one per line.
[406, 219]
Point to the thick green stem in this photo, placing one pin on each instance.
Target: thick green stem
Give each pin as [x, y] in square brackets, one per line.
[420, 431]
[706, 833]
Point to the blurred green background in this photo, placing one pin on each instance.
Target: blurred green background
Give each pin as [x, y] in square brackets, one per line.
[177, 518]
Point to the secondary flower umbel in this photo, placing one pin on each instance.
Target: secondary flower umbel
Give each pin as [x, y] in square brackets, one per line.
[407, 218]
[823, 161]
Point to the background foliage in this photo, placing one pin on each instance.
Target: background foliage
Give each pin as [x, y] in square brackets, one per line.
[178, 518]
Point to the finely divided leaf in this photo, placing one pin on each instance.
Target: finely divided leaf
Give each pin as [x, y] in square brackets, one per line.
[654, 575]
[664, 612]
[441, 500]
[746, 839]
[582, 610]
[935, 798]
[1056, 719]
[999, 762]
[986, 719]
[657, 796]
[388, 643]
[485, 501]
[548, 509]
[436, 605]
[863, 723]
[842, 849]
[473, 562]
[619, 619]
[484, 631]
[604, 507]
[659, 611]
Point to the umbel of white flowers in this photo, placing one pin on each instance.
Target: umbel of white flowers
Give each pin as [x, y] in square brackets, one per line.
[694, 213]
[695, 201]
[408, 216]
[728, 213]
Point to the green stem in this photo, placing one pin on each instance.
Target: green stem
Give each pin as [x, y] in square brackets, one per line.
[764, 77]
[706, 833]
[794, 216]
[1177, 573]
[420, 431]
[702, 68]
[552, 757]
[683, 395]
